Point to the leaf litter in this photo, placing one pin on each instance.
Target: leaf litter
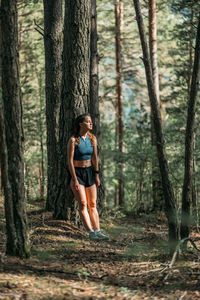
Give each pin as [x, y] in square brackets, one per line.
[65, 264]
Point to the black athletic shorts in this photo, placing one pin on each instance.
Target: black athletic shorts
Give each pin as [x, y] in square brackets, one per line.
[85, 176]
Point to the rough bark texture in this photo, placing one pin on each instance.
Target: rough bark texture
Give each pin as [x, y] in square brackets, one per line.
[75, 89]
[13, 167]
[170, 204]
[41, 134]
[119, 97]
[94, 96]
[53, 25]
[158, 199]
[189, 140]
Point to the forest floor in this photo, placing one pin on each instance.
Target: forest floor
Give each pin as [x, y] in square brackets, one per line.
[65, 264]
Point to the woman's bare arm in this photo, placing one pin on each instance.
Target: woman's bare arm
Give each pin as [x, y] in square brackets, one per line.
[70, 157]
[95, 162]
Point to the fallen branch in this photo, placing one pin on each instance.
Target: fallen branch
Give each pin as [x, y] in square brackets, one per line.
[176, 252]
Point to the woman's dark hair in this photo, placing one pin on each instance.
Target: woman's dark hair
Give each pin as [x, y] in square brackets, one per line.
[78, 120]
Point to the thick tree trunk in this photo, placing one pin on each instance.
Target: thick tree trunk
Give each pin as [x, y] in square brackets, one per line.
[189, 140]
[75, 98]
[53, 26]
[170, 203]
[158, 201]
[94, 95]
[13, 163]
[119, 97]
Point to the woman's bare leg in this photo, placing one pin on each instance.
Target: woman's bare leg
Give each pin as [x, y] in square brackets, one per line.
[91, 194]
[80, 196]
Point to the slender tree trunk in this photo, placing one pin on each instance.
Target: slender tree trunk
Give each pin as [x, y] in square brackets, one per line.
[189, 140]
[41, 133]
[116, 195]
[195, 212]
[27, 176]
[156, 179]
[94, 96]
[191, 56]
[119, 97]
[75, 97]
[170, 203]
[12, 136]
[53, 26]
[191, 50]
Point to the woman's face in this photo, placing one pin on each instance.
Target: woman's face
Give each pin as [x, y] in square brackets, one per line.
[87, 123]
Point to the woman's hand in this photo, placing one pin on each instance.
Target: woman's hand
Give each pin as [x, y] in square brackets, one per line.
[97, 180]
[76, 185]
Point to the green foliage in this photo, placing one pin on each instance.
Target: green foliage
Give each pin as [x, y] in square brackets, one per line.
[33, 93]
[176, 24]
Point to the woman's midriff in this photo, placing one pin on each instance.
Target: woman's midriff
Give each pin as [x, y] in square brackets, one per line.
[82, 163]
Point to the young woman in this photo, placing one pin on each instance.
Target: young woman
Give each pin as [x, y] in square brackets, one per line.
[83, 167]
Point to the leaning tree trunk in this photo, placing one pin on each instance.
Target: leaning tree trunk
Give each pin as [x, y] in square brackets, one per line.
[189, 140]
[75, 90]
[13, 162]
[53, 26]
[156, 179]
[94, 96]
[170, 203]
[119, 96]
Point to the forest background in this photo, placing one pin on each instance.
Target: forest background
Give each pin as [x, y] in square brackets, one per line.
[176, 23]
[131, 185]
[176, 37]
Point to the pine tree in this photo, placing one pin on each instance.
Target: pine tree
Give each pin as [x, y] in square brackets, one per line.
[170, 202]
[13, 169]
[75, 90]
[53, 25]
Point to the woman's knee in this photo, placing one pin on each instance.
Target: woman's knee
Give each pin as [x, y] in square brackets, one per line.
[82, 205]
[92, 205]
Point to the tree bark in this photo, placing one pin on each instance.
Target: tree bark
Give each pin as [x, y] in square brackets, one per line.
[75, 98]
[119, 97]
[12, 136]
[53, 26]
[156, 178]
[189, 140]
[170, 203]
[94, 98]
[41, 133]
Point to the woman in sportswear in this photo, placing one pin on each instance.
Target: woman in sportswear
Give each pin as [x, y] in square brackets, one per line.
[83, 167]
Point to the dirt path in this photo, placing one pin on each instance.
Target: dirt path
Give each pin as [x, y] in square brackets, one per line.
[66, 265]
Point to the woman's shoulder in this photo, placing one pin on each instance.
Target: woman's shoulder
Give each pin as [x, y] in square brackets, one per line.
[93, 139]
[72, 140]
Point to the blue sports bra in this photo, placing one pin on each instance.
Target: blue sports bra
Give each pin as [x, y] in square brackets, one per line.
[84, 150]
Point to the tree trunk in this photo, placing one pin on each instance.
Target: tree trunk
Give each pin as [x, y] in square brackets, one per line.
[156, 180]
[170, 203]
[41, 134]
[12, 150]
[119, 97]
[189, 140]
[195, 211]
[75, 98]
[53, 26]
[94, 98]
[191, 50]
